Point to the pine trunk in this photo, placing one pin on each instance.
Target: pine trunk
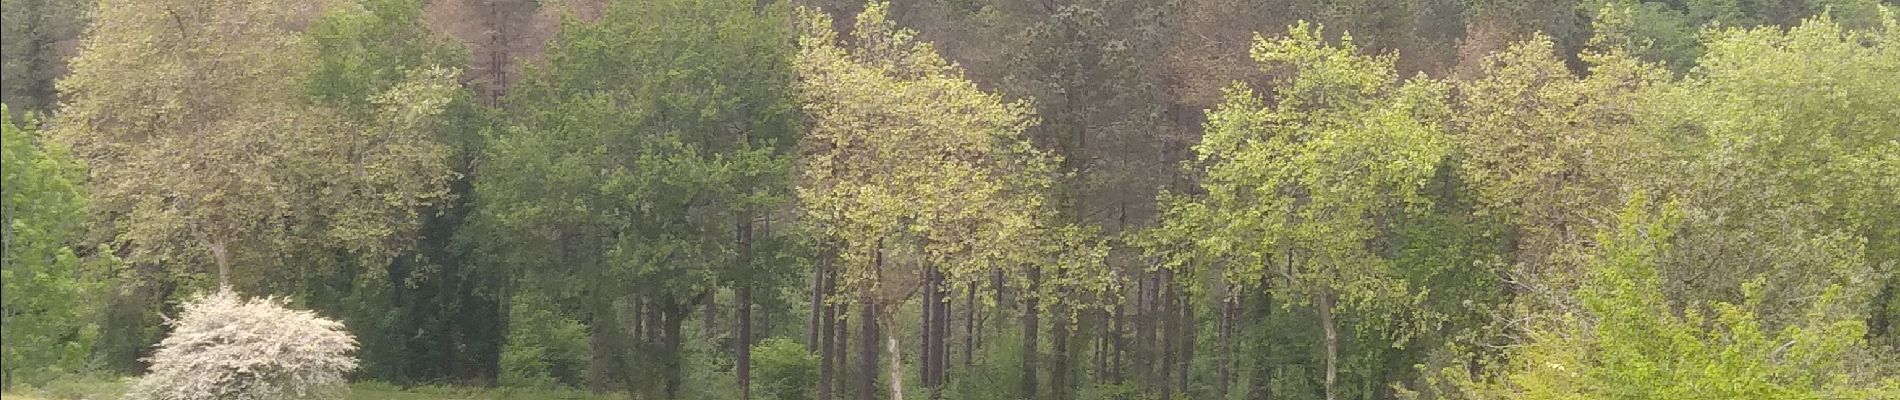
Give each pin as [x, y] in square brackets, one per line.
[1185, 375]
[826, 322]
[926, 350]
[867, 349]
[1031, 324]
[1059, 343]
[1169, 332]
[742, 298]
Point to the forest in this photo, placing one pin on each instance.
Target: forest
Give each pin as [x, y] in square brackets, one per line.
[950, 199]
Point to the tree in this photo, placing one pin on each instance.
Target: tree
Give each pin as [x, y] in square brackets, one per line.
[909, 170]
[46, 302]
[636, 167]
[36, 38]
[1548, 152]
[192, 114]
[1788, 172]
[1630, 344]
[431, 312]
[225, 347]
[1297, 190]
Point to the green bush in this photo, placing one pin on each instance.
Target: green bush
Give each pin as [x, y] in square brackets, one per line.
[544, 349]
[783, 370]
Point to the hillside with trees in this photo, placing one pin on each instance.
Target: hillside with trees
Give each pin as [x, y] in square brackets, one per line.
[950, 199]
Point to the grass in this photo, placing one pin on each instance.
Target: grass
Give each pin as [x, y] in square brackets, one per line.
[102, 389]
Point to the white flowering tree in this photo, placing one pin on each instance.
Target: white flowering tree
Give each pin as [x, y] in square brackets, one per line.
[227, 348]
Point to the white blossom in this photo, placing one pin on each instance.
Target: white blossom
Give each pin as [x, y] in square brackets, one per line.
[226, 348]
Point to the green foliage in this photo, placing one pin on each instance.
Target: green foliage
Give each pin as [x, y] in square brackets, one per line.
[544, 349]
[47, 292]
[32, 33]
[427, 293]
[1632, 344]
[653, 137]
[906, 156]
[784, 369]
[1788, 175]
[192, 113]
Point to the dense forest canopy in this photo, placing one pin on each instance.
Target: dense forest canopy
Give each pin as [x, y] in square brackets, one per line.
[963, 199]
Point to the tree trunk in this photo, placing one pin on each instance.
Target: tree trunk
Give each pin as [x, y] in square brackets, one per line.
[969, 326]
[1325, 304]
[709, 320]
[942, 349]
[827, 354]
[743, 345]
[896, 367]
[1118, 342]
[742, 310]
[1224, 332]
[1263, 368]
[602, 376]
[1144, 323]
[674, 317]
[1030, 326]
[926, 347]
[842, 350]
[815, 324]
[867, 348]
[1185, 375]
[1170, 331]
[1059, 343]
[221, 255]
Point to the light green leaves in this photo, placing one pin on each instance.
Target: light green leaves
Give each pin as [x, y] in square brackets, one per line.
[48, 290]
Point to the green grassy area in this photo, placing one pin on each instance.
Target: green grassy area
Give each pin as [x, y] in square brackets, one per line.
[103, 389]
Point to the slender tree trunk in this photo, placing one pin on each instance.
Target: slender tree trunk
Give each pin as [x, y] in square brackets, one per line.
[1144, 345]
[1059, 343]
[1224, 332]
[1170, 331]
[827, 355]
[1325, 304]
[816, 323]
[867, 347]
[942, 359]
[927, 350]
[842, 351]
[742, 309]
[710, 315]
[969, 326]
[675, 316]
[639, 317]
[1098, 346]
[221, 255]
[1117, 342]
[743, 365]
[1185, 375]
[1031, 324]
[1263, 368]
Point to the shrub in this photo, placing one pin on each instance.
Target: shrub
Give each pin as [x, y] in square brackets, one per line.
[544, 349]
[784, 369]
[227, 348]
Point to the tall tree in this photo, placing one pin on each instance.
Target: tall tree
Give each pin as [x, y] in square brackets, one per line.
[46, 302]
[655, 137]
[1629, 343]
[906, 163]
[192, 113]
[1311, 177]
[36, 39]
[447, 322]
